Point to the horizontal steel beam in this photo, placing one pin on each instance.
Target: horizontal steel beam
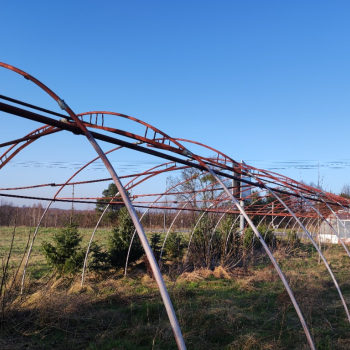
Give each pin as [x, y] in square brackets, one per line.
[34, 107]
[75, 130]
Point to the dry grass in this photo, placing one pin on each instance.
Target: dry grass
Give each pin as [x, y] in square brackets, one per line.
[245, 308]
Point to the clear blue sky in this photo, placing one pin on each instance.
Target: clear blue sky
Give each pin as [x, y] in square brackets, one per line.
[263, 81]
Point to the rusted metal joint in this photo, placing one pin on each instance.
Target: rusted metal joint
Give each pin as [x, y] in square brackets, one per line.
[187, 153]
[62, 104]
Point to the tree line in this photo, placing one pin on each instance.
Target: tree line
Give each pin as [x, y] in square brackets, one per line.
[29, 216]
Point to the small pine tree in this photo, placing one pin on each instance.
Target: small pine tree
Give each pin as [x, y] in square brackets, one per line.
[156, 245]
[120, 241]
[175, 247]
[156, 248]
[65, 254]
[99, 259]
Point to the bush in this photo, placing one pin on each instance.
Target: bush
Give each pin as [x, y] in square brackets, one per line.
[202, 252]
[65, 255]
[293, 240]
[222, 247]
[250, 239]
[230, 243]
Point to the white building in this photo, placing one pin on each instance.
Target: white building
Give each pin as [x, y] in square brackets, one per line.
[340, 224]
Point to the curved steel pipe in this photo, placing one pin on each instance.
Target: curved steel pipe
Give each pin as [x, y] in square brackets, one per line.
[46, 210]
[318, 250]
[274, 262]
[92, 237]
[124, 195]
[331, 227]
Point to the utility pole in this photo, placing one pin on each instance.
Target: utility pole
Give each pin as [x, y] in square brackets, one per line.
[166, 204]
[236, 191]
[72, 210]
[241, 217]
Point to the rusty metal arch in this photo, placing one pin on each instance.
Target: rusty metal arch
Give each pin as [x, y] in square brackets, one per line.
[256, 232]
[287, 193]
[128, 204]
[150, 256]
[29, 138]
[320, 253]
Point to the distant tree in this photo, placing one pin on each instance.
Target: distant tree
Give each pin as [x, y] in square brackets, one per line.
[345, 191]
[112, 211]
[192, 180]
[7, 211]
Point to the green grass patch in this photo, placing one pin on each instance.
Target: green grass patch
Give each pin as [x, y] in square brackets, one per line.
[249, 309]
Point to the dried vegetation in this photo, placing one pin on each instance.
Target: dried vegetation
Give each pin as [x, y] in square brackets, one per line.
[241, 308]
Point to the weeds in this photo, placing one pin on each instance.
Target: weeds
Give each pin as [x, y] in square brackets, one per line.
[240, 308]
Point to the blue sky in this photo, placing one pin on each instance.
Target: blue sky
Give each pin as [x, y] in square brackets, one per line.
[263, 81]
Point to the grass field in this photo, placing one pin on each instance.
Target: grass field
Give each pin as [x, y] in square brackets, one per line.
[245, 308]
